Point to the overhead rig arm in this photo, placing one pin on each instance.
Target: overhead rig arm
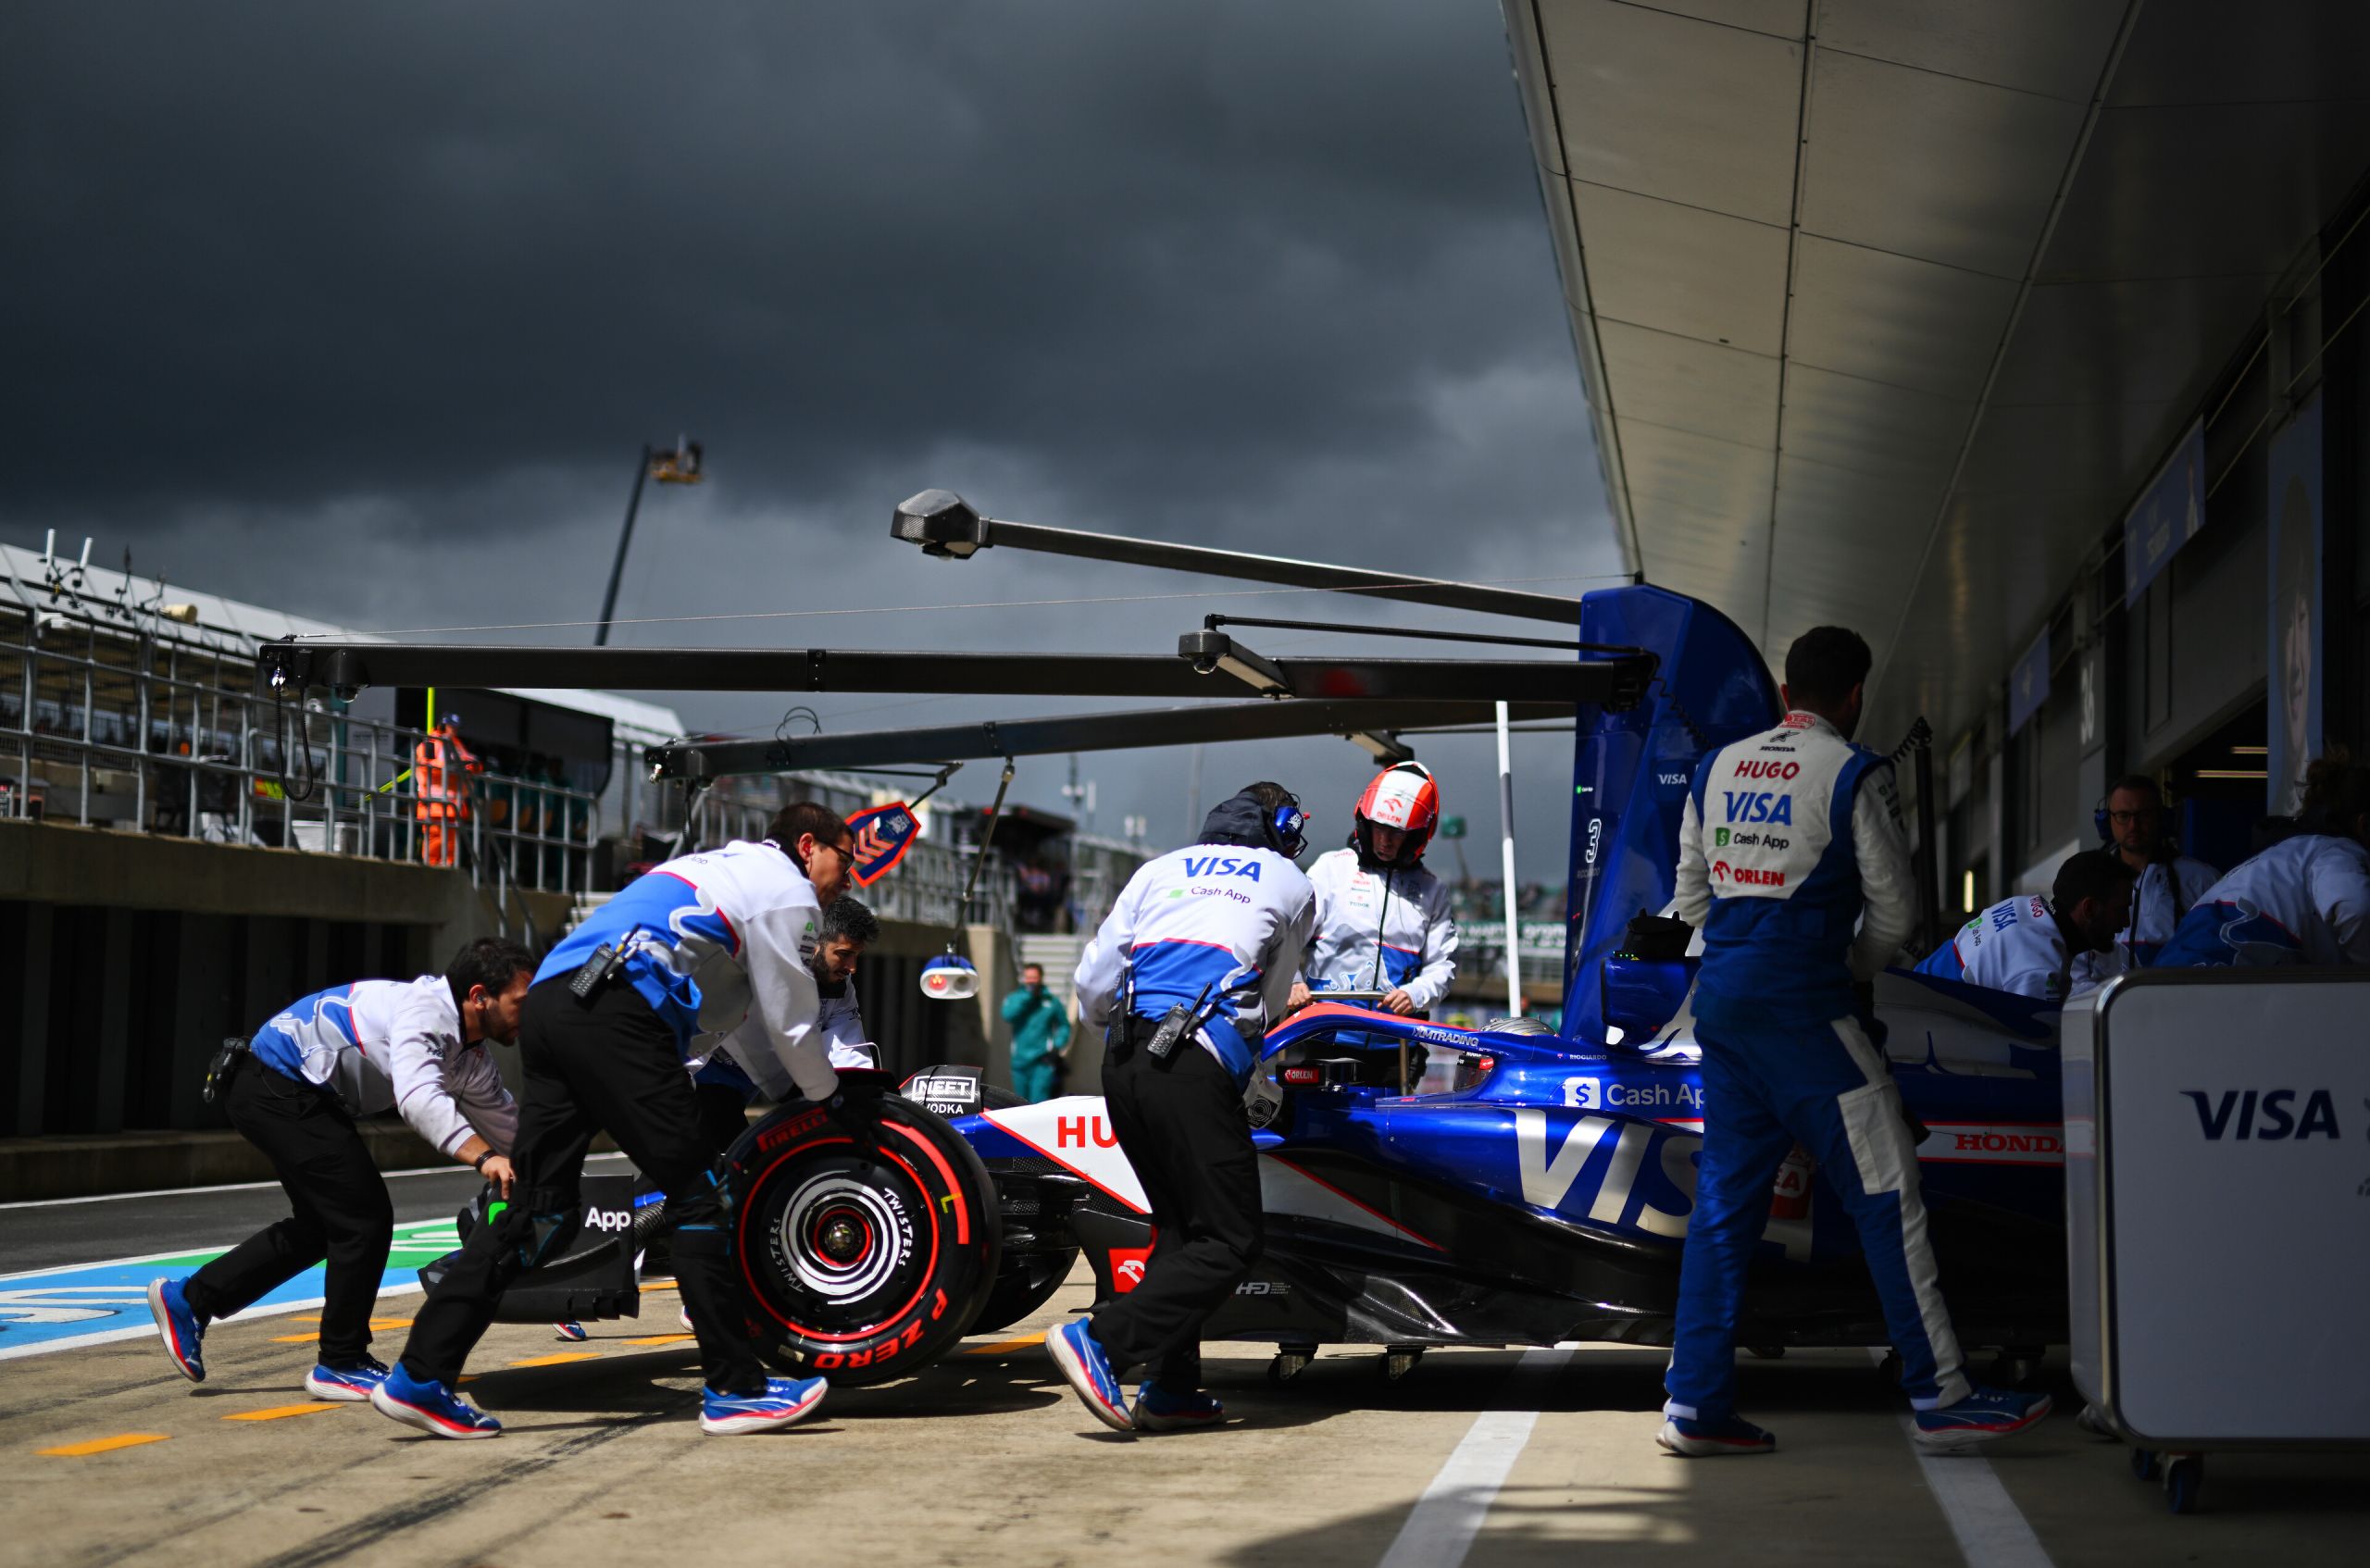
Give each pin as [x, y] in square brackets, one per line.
[1212, 723]
[1616, 681]
[943, 524]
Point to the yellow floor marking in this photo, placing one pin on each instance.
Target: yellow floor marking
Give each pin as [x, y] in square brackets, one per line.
[375, 1323]
[278, 1411]
[555, 1361]
[1004, 1347]
[658, 1285]
[664, 1340]
[106, 1445]
[293, 1338]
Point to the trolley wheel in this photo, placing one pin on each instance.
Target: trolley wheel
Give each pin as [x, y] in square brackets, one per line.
[1289, 1363]
[2183, 1473]
[1397, 1360]
[2143, 1464]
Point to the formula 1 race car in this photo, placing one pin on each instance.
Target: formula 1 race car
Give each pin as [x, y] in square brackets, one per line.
[1541, 1196]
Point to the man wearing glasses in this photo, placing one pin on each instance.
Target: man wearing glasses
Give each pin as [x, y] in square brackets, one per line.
[2132, 822]
[702, 946]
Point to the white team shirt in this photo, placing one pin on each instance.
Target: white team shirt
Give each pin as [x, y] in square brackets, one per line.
[399, 1044]
[1381, 929]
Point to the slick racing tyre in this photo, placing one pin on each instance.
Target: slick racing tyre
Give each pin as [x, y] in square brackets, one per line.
[862, 1263]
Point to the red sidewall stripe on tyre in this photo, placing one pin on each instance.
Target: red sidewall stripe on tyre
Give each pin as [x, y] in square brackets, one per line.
[930, 1267]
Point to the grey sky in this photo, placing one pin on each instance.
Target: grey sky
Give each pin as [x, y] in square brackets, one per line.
[364, 312]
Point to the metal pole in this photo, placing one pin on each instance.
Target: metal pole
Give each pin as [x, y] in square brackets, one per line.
[1506, 850]
[1194, 799]
[625, 538]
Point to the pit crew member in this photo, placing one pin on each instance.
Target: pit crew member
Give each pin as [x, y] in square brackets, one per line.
[2031, 945]
[1788, 838]
[2131, 820]
[688, 951]
[1197, 955]
[2305, 899]
[744, 1067]
[293, 1091]
[1382, 919]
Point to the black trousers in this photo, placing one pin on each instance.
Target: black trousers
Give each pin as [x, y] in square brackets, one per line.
[610, 1065]
[1180, 1124]
[341, 1210]
[723, 1115]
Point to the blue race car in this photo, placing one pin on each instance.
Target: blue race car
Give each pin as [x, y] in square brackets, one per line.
[1540, 1194]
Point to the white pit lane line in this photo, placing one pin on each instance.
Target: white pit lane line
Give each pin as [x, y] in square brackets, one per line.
[1447, 1517]
[1992, 1532]
[236, 1186]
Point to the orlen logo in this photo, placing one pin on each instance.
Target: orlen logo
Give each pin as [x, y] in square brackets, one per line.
[2263, 1114]
[1758, 767]
[1072, 1132]
[1128, 1265]
[1746, 876]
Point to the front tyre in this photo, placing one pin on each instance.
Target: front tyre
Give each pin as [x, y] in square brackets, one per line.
[862, 1265]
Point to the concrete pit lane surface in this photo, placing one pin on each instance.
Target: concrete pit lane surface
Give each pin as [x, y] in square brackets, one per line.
[1484, 1457]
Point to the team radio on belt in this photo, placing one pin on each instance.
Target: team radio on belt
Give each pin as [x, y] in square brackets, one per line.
[1225, 979]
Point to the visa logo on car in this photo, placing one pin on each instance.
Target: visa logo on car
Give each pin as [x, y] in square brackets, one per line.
[1220, 866]
[2214, 1115]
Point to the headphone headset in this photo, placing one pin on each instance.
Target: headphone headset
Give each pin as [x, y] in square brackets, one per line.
[1289, 825]
[2103, 820]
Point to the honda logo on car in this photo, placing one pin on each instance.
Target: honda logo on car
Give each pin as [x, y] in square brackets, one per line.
[2262, 1115]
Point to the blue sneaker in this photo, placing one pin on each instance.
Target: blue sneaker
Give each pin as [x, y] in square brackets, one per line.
[1073, 1349]
[1158, 1409]
[184, 1337]
[571, 1332]
[786, 1400]
[1983, 1415]
[1690, 1439]
[429, 1406]
[351, 1383]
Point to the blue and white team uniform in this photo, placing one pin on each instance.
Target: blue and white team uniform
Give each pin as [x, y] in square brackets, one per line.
[744, 1062]
[1793, 866]
[2164, 892]
[397, 1045]
[2016, 945]
[2305, 899]
[720, 946]
[1379, 930]
[1228, 921]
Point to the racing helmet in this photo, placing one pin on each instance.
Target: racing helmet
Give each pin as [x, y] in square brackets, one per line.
[1401, 796]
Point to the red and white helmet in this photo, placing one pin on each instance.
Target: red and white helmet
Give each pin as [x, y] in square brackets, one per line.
[1401, 796]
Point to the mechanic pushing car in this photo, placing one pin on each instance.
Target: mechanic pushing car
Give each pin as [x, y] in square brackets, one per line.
[685, 952]
[2032, 945]
[742, 1068]
[1382, 919]
[2305, 899]
[1198, 954]
[293, 1091]
[1787, 840]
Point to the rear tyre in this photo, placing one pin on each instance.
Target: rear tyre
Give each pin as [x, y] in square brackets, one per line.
[862, 1263]
[1025, 1284]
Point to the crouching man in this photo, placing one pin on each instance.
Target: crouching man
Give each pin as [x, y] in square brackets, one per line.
[293, 1091]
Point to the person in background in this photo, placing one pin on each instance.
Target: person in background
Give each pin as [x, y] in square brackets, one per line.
[441, 767]
[2305, 899]
[1382, 919]
[293, 1091]
[1040, 1035]
[2169, 882]
[2031, 946]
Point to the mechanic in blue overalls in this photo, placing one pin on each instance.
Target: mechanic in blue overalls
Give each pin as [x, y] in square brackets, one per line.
[2305, 899]
[1197, 955]
[2035, 946]
[2131, 822]
[1789, 839]
[685, 954]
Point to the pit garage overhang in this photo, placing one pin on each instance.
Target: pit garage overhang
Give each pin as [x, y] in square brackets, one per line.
[1886, 312]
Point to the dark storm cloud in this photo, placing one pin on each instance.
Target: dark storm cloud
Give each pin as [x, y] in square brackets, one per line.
[362, 311]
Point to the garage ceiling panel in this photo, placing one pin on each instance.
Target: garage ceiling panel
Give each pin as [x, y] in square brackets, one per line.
[1896, 319]
[1932, 165]
[1779, 18]
[1682, 269]
[2216, 52]
[2057, 47]
[2031, 449]
[1691, 385]
[1725, 141]
[1872, 428]
[2129, 342]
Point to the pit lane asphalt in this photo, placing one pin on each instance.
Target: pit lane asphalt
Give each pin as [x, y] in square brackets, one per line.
[985, 1459]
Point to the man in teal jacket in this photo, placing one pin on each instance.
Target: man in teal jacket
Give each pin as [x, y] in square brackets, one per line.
[1040, 1032]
